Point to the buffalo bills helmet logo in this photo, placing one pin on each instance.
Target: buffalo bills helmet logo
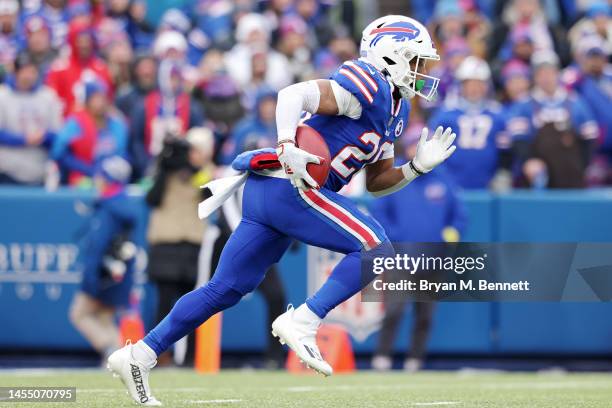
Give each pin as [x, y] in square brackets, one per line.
[400, 31]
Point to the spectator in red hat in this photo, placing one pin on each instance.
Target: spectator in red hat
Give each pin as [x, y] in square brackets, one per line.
[38, 43]
[67, 75]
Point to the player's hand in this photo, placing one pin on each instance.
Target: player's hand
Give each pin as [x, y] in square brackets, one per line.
[294, 161]
[434, 151]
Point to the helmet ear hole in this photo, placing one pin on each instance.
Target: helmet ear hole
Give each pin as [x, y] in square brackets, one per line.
[389, 61]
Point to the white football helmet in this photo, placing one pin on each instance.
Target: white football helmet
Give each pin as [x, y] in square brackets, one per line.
[400, 46]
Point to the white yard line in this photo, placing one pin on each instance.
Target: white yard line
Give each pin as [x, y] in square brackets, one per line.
[215, 401]
[428, 404]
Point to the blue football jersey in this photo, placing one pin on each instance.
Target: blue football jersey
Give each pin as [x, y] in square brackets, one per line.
[480, 134]
[354, 143]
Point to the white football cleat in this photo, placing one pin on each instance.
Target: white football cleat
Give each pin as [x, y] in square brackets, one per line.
[133, 374]
[301, 337]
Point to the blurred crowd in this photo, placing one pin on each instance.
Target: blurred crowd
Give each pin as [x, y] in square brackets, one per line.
[526, 85]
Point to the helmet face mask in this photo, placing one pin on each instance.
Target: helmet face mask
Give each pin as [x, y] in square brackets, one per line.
[414, 80]
[401, 47]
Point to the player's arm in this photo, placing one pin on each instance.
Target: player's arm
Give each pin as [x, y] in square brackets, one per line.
[383, 178]
[313, 97]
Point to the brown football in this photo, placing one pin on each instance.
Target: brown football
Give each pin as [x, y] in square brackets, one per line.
[310, 140]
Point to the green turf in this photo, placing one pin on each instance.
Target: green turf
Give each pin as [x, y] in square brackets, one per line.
[260, 389]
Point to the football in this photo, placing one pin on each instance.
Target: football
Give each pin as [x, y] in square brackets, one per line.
[310, 140]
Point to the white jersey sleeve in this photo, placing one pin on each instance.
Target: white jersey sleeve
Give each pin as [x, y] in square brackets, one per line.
[348, 104]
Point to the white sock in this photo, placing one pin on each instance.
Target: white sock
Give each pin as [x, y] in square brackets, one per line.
[143, 353]
[305, 315]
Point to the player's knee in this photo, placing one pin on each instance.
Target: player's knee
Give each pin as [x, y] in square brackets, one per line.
[384, 249]
[220, 294]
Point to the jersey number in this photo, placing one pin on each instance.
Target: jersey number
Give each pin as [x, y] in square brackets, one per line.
[339, 162]
[473, 131]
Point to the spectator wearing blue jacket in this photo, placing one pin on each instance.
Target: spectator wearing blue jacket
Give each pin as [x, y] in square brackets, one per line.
[256, 130]
[107, 255]
[427, 210]
[592, 80]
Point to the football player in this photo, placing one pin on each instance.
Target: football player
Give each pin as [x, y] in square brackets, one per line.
[359, 111]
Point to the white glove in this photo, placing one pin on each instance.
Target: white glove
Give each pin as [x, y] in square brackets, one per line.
[294, 161]
[434, 151]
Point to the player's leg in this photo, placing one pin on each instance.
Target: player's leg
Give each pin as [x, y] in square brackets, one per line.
[273, 292]
[328, 220]
[90, 318]
[357, 234]
[423, 314]
[250, 251]
[394, 311]
[247, 255]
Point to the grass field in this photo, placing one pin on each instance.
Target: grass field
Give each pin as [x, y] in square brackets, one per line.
[260, 389]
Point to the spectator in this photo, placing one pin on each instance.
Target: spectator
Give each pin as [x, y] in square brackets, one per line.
[219, 96]
[58, 17]
[68, 75]
[175, 232]
[108, 259]
[293, 44]
[119, 56]
[214, 18]
[553, 132]
[30, 114]
[427, 210]
[255, 131]
[167, 112]
[340, 48]
[197, 42]
[448, 21]
[129, 15]
[527, 16]
[9, 12]
[252, 60]
[314, 13]
[515, 77]
[478, 123]
[521, 46]
[592, 80]
[143, 79]
[89, 135]
[597, 22]
[38, 43]
[170, 45]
